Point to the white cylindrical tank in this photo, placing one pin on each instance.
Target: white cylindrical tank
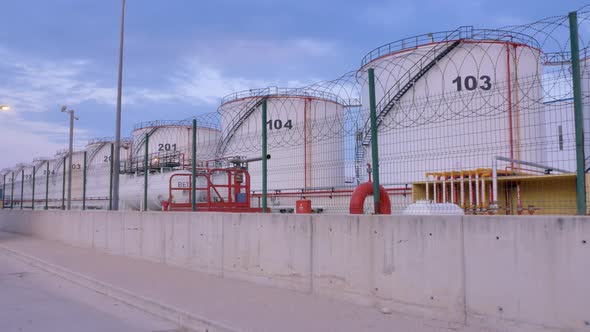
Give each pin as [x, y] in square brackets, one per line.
[17, 188]
[21, 192]
[27, 184]
[99, 161]
[169, 138]
[164, 137]
[10, 174]
[5, 177]
[305, 139]
[170, 152]
[40, 181]
[56, 180]
[478, 96]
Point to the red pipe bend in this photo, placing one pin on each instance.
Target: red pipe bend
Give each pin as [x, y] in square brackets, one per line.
[366, 189]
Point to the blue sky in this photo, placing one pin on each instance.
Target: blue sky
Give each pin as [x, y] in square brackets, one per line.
[181, 56]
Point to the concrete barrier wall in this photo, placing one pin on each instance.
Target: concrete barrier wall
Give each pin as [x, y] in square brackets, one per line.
[506, 273]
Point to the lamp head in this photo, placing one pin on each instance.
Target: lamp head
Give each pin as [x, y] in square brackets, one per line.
[64, 108]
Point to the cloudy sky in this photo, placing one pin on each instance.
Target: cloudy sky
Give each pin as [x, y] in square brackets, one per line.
[181, 56]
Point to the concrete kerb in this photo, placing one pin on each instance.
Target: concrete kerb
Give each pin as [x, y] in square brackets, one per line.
[179, 317]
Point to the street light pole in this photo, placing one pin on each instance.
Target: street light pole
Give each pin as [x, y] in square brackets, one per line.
[64, 109]
[117, 156]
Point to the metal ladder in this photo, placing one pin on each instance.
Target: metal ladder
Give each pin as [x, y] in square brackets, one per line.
[398, 90]
[237, 123]
[142, 141]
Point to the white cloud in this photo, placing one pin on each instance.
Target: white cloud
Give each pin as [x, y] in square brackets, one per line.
[36, 85]
[265, 52]
[24, 139]
[198, 83]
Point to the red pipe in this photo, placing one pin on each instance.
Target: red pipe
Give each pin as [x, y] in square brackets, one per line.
[510, 104]
[361, 192]
[401, 191]
[305, 143]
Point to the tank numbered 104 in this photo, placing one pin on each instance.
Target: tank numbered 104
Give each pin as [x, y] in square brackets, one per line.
[470, 83]
[278, 124]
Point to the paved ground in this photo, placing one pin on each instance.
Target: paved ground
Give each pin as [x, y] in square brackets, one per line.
[33, 300]
[239, 305]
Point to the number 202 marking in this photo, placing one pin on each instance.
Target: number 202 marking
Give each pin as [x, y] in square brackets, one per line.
[470, 83]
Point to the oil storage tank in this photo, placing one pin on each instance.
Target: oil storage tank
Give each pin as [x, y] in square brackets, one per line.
[17, 185]
[304, 133]
[452, 101]
[41, 184]
[99, 161]
[26, 176]
[169, 146]
[57, 185]
[5, 178]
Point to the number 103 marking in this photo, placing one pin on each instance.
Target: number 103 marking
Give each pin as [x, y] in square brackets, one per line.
[470, 83]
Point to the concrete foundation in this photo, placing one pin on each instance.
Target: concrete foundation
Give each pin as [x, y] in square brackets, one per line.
[506, 273]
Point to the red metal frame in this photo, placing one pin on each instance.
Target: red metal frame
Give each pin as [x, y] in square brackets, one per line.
[237, 182]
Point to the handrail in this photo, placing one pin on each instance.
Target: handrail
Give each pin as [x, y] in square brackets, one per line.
[442, 36]
[158, 123]
[107, 140]
[288, 92]
[137, 147]
[409, 76]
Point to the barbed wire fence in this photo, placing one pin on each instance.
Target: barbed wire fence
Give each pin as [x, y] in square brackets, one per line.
[479, 121]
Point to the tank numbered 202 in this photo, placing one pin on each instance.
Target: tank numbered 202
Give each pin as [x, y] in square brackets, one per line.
[470, 83]
[278, 124]
[166, 147]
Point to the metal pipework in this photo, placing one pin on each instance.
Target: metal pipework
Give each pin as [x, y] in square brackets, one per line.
[547, 169]
[238, 160]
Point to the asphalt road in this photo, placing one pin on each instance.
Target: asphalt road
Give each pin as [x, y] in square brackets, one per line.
[33, 300]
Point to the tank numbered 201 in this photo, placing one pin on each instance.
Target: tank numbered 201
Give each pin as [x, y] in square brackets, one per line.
[470, 83]
[106, 159]
[166, 147]
[278, 124]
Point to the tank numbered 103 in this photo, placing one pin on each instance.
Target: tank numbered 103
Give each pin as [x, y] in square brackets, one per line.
[470, 83]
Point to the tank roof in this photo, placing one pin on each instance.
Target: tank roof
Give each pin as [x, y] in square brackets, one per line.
[274, 91]
[175, 123]
[463, 32]
[161, 123]
[107, 140]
